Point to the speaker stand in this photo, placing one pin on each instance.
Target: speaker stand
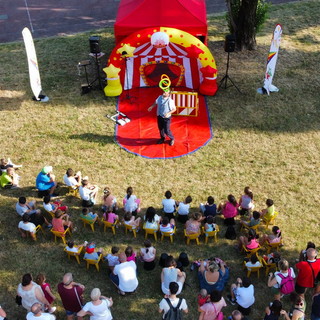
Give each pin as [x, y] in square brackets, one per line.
[98, 79]
[128, 97]
[224, 80]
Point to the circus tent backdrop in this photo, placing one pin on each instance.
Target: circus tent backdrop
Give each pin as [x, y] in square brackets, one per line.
[186, 15]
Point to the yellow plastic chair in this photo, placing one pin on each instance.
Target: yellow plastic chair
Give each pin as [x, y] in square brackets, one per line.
[150, 231]
[39, 227]
[245, 227]
[93, 262]
[211, 234]
[61, 235]
[74, 254]
[253, 269]
[168, 234]
[88, 223]
[74, 192]
[50, 213]
[110, 225]
[270, 221]
[269, 266]
[273, 246]
[194, 236]
[250, 252]
[131, 228]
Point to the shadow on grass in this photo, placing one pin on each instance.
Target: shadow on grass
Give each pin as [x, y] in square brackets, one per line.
[91, 137]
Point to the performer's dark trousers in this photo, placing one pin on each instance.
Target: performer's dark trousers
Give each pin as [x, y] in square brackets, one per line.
[164, 127]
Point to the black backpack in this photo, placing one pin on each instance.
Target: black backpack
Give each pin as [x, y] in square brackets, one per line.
[174, 313]
[231, 233]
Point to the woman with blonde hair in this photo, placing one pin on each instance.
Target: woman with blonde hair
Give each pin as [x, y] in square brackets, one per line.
[98, 307]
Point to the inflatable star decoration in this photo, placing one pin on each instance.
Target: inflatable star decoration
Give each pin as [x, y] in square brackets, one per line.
[111, 71]
[126, 50]
[193, 51]
[208, 71]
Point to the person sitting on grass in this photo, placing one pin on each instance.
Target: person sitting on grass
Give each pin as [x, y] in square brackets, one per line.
[37, 313]
[113, 258]
[9, 179]
[273, 311]
[72, 179]
[183, 209]
[130, 220]
[54, 206]
[203, 297]
[61, 222]
[242, 293]
[172, 301]
[131, 203]
[109, 200]
[45, 182]
[88, 193]
[166, 225]
[194, 223]
[92, 253]
[26, 226]
[148, 255]
[169, 205]
[229, 210]
[254, 221]
[6, 163]
[208, 209]
[88, 215]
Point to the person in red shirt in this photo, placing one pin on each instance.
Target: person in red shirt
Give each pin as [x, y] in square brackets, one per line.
[308, 272]
[71, 296]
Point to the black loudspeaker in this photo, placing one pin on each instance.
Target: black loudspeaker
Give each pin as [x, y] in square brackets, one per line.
[94, 42]
[230, 43]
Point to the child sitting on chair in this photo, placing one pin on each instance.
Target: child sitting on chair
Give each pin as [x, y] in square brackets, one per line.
[110, 216]
[91, 253]
[113, 258]
[183, 209]
[252, 262]
[88, 215]
[268, 213]
[54, 206]
[130, 220]
[208, 209]
[275, 237]
[72, 248]
[254, 221]
[109, 200]
[169, 205]
[166, 225]
[250, 242]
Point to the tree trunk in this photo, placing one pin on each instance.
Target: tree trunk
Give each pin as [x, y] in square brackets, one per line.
[245, 25]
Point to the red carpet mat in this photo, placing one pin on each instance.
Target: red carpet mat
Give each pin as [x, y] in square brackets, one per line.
[140, 136]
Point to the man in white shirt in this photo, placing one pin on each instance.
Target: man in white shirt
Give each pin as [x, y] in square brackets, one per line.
[242, 293]
[37, 314]
[124, 275]
[174, 301]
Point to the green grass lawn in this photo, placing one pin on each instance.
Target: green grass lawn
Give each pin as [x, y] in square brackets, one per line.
[270, 143]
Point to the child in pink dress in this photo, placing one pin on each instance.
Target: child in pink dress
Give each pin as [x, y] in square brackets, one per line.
[110, 216]
[131, 255]
[41, 281]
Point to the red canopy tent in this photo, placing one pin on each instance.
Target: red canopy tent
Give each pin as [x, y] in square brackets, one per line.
[186, 15]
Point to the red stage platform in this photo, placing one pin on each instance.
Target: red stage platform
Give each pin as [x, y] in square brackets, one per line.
[140, 136]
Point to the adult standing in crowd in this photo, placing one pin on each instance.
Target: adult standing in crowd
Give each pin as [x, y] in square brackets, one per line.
[165, 108]
[308, 272]
[71, 296]
[210, 310]
[31, 293]
[98, 308]
[124, 275]
[45, 182]
[37, 314]
[315, 309]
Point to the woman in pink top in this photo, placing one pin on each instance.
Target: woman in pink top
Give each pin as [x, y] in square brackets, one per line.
[229, 210]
